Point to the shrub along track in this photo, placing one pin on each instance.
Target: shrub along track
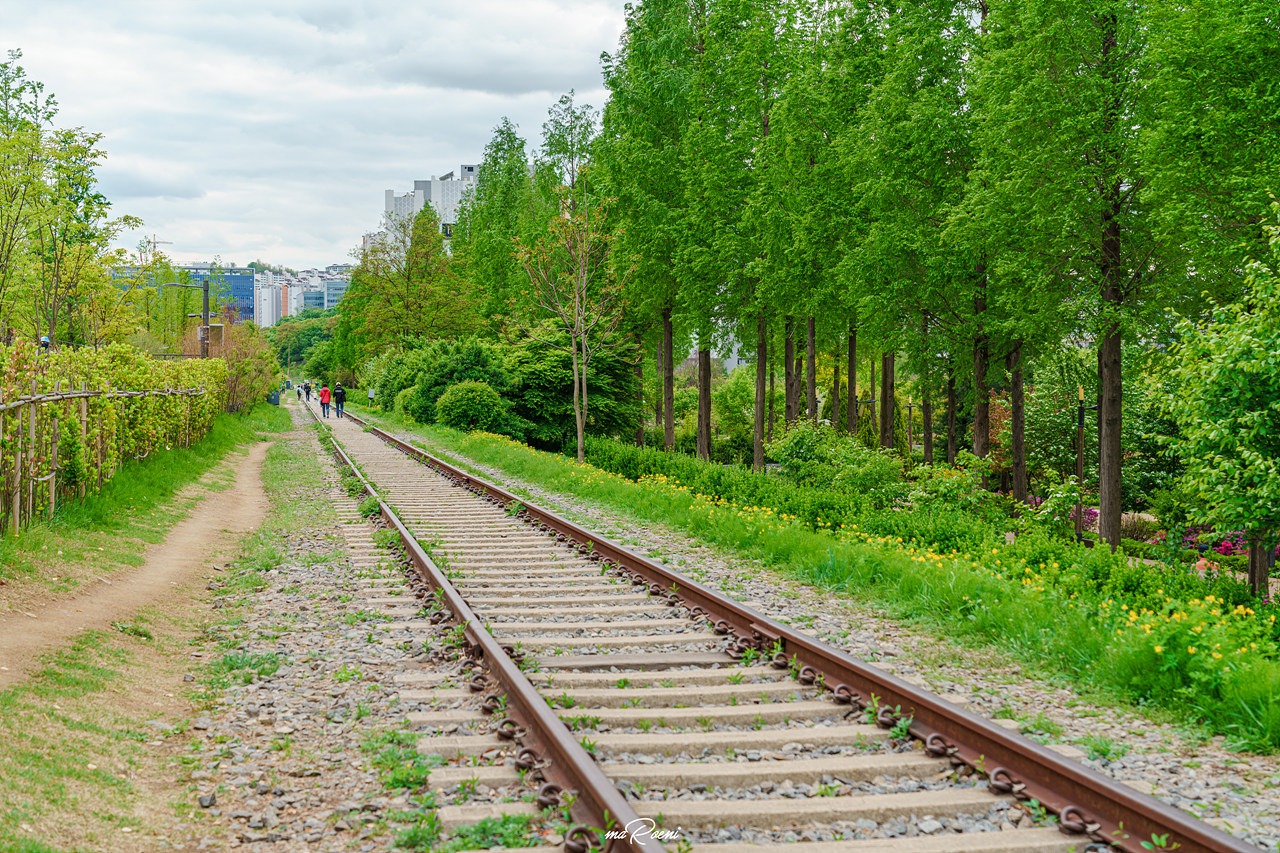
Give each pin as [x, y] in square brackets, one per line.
[670, 703]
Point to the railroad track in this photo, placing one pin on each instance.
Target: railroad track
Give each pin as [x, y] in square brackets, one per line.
[612, 685]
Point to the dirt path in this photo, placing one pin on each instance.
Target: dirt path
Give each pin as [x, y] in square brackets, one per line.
[217, 521]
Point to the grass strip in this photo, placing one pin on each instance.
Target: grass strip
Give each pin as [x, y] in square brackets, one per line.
[1198, 660]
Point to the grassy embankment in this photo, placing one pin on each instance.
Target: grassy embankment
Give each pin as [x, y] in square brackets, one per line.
[1133, 633]
[87, 742]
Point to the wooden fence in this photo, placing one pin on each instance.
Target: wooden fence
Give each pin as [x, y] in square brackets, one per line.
[113, 425]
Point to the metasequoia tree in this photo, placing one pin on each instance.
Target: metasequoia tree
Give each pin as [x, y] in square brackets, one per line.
[1058, 179]
[1227, 371]
[639, 154]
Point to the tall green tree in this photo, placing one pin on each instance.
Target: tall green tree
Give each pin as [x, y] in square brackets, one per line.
[639, 155]
[1056, 194]
[509, 201]
[1227, 371]
[405, 286]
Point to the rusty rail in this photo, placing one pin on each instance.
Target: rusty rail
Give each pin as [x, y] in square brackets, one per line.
[565, 765]
[1086, 802]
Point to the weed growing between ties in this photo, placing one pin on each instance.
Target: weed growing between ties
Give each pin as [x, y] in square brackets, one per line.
[137, 506]
[1200, 659]
[403, 770]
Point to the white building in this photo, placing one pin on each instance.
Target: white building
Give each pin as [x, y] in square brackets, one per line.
[443, 193]
[266, 304]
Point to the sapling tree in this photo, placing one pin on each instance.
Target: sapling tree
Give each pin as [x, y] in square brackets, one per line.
[572, 290]
[1227, 369]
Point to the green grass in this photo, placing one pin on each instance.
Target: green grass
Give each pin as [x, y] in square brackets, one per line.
[136, 506]
[51, 732]
[507, 831]
[394, 753]
[974, 597]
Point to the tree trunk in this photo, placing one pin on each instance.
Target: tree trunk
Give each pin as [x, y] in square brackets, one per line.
[704, 404]
[951, 416]
[811, 373]
[657, 398]
[639, 377]
[1018, 425]
[1109, 377]
[668, 384]
[1259, 570]
[578, 407]
[798, 373]
[851, 413]
[762, 362]
[835, 388]
[981, 394]
[1112, 276]
[926, 416]
[788, 369]
[771, 396]
[886, 400]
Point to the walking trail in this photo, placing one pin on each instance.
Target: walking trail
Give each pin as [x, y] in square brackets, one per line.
[217, 521]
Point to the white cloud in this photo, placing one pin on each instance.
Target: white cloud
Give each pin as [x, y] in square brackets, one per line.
[270, 128]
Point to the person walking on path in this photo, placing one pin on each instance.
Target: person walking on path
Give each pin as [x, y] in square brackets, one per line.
[306, 387]
[298, 388]
[324, 400]
[339, 397]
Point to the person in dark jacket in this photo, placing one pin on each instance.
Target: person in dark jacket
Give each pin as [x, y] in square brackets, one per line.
[339, 398]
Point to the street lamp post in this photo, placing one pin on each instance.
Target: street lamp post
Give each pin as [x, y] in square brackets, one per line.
[203, 315]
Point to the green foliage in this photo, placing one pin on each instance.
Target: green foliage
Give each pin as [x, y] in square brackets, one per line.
[468, 406]
[818, 457]
[405, 287]
[505, 832]
[294, 336]
[252, 371]
[117, 428]
[542, 393]
[444, 364]
[73, 455]
[1228, 407]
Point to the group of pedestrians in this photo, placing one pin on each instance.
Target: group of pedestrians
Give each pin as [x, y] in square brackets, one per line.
[337, 397]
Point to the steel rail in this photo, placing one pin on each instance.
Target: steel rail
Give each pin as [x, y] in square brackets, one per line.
[562, 760]
[1085, 801]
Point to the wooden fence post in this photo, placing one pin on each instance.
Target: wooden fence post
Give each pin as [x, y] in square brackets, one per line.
[33, 452]
[15, 514]
[53, 452]
[84, 429]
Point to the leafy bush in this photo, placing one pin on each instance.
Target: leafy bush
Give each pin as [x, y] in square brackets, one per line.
[817, 456]
[469, 406]
[541, 394]
[444, 364]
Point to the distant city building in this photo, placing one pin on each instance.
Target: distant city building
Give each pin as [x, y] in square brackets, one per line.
[443, 193]
[313, 299]
[236, 285]
[334, 290]
[266, 305]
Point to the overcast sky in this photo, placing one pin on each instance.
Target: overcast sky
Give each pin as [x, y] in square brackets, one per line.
[271, 128]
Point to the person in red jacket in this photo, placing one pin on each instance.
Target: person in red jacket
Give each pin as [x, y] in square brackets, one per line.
[324, 400]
